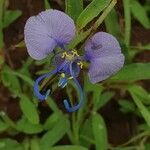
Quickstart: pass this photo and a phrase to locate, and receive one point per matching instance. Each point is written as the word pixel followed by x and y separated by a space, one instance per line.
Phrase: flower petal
pixel 102 68
pixel 46 30
pixel 101 44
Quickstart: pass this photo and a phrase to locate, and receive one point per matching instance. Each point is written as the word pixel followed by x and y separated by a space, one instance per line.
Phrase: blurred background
pixel 116 112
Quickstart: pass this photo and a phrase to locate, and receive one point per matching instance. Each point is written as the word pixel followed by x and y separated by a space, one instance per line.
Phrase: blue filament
pixel 39 79
pixel 36 84
pixel 79 89
pixel 62 82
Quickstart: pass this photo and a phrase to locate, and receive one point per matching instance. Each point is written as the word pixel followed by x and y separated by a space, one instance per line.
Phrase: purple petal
pixel 101 44
pixel 104 67
pixel 104 53
pixel 46 30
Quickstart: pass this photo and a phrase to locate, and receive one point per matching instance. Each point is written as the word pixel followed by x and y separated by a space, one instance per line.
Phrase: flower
pixel 52 28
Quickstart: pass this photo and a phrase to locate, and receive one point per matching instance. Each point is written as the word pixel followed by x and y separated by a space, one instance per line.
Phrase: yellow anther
pixel 62 75
pixel 64 54
pixel 74 53
pixel 80 64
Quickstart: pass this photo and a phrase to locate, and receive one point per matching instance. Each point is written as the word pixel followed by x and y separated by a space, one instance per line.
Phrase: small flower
pixel 53 28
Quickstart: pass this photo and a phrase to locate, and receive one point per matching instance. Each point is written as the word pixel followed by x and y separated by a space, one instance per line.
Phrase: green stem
pixel 1 23
pixel 127 16
pixel 34 144
pixel 137 137
pixel 75 130
pixel 104 14
pixel 7 119
pixel 26 144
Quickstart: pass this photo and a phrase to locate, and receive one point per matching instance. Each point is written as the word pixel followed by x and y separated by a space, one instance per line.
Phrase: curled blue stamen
pixel 39 79
pixel 36 84
pixel 79 89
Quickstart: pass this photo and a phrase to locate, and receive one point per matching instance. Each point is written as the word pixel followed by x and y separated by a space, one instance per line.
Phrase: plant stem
pixel 127 16
pixel 7 119
pixel 104 14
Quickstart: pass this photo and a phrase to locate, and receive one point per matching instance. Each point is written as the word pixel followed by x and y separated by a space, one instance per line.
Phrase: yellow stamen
pixel 80 64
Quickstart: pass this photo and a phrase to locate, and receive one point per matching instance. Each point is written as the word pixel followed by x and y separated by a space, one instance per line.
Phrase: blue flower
pixel 53 28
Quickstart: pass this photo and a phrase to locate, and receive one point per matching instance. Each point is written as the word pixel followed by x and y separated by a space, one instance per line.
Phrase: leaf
pixel 90 12
pixel 111 23
pixel 79 37
pixel 68 147
pixel 52 136
pixel 104 98
pixel 126 106
pixel 133 72
pixel 11 82
pixel 23 125
pixel 3 126
pixel 74 8
pixel 9 144
pixel 29 109
pixel 99 132
pixel 51 121
pixel 145 113
pixel 140 14
pixel 10 16
pixel 142 94
pixel 86 133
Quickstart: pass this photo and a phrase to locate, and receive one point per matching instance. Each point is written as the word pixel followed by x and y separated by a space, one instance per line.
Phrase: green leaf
pixel 90 12
pixel 86 133
pixel 99 132
pixel 126 106
pixel 111 23
pixel 52 136
pixel 51 121
pixel 140 14
pixel 3 126
pixel 142 94
pixel 23 125
pixel 29 109
pixel 104 98
pixel 11 73
pixel 68 147
pixel 11 82
pixel 10 16
pixel 133 72
pixel 145 113
pixel 74 8
pixel 79 37
pixel 9 144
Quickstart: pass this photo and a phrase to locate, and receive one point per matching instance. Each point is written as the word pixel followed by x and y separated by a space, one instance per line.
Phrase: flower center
pixel 72 55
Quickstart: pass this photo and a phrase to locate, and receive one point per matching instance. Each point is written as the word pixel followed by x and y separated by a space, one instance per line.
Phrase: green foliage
pixel 6 18
pixel 74 8
pixel 7 144
pixel 99 132
pixel 90 12
pixel 85 128
pixel 140 13
pixel 10 16
pixel 26 104
pixel 132 72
